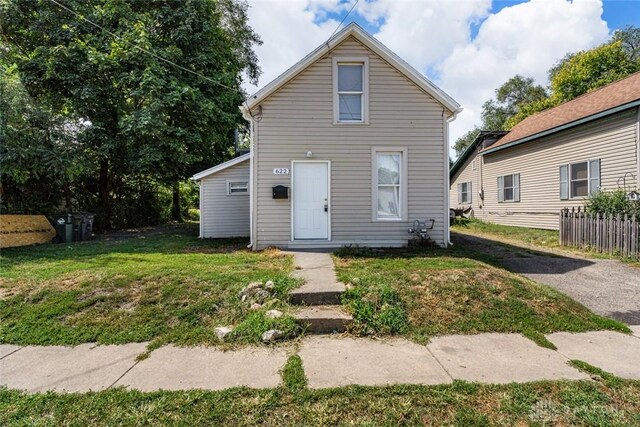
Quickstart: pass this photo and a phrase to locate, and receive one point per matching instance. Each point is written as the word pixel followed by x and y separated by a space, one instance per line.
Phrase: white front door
pixel 310 200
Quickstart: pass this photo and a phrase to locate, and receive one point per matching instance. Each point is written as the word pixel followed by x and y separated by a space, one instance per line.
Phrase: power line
pixel 343 19
pixel 141 48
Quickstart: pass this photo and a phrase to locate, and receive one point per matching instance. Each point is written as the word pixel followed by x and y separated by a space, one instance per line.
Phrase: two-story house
pixel 348 147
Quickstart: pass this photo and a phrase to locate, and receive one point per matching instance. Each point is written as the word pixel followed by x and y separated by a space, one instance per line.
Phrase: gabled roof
pixel 369 41
pixel 468 152
pixel 221 166
pixel 609 99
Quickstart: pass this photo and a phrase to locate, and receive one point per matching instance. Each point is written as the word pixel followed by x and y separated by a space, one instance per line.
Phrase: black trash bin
pixel 82 226
pixel 63 223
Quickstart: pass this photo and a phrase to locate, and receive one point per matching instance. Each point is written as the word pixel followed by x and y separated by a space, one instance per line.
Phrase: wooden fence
pixel 612 234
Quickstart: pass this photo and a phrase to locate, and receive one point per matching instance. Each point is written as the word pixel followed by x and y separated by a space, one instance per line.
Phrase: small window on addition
pixel 234 188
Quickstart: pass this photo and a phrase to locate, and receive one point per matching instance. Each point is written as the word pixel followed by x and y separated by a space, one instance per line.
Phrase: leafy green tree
pixel 39 155
pixel 497 113
pixel 514 93
pixel 158 83
pixel 465 141
pixel 585 71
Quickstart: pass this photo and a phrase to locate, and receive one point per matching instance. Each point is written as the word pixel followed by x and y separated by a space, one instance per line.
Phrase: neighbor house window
pixel 579 179
pixel 389 179
pixel 464 193
pixel 509 188
pixel 350 87
pixel 237 187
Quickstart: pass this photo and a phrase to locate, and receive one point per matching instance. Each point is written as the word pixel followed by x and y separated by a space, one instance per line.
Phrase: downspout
pixel 447 232
pixel 200 185
pixel 638 149
pixel 252 185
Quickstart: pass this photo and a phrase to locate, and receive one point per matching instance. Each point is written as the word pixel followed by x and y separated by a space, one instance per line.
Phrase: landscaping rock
pixel 274 314
pixel 272 335
pixel 269 285
pixel 222 332
pixel 261 295
pixel 255 306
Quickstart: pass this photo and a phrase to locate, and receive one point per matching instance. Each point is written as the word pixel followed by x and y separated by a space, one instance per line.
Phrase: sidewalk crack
pixel 9 354
pixel 123 374
pixel 439 363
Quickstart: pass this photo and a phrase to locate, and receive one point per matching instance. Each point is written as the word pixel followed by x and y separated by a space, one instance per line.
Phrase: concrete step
pixel 323 319
pixel 309 296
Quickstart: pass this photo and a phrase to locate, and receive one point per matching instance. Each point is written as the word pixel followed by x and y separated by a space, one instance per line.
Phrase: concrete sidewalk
pixel 329 361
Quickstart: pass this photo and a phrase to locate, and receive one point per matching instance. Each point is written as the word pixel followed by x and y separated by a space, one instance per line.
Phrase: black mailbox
pixel 280 192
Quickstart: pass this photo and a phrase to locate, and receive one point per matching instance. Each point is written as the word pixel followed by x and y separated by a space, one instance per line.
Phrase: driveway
pixel 607 287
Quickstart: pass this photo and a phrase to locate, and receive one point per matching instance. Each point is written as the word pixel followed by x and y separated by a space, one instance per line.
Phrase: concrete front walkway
pixel 329 361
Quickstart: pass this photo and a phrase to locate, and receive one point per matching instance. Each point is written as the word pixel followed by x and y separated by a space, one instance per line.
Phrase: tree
pixel 497 113
pixel 585 71
pixel 147 118
pixel 465 141
pixel 630 39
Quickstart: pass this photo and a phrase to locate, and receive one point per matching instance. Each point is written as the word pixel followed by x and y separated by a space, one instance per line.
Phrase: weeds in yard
pixel 161 288
pixel 293 377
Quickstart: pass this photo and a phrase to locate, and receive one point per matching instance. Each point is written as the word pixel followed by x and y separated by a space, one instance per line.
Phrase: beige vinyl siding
pixel 611 139
pixel 299 118
pixel 466 173
pixel 222 214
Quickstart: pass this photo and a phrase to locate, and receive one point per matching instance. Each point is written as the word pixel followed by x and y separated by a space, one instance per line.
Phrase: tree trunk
pixel 103 194
pixel 176 209
pixel 67 196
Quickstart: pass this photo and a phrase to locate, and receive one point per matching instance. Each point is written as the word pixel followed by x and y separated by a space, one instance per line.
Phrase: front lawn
pixel 426 292
pixel 585 403
pixel 161 287
pixel 549 239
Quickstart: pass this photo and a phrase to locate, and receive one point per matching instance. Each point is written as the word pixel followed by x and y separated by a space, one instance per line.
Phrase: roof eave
pixel 355 30
pixel 569 125
pixel 222 166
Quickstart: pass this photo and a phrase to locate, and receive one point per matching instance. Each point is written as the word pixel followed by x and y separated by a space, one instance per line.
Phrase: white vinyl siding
pixel 509 188
pixel 299 118
pixel 223 214
pixel 464 193
pixel 612 140
pixel 467 173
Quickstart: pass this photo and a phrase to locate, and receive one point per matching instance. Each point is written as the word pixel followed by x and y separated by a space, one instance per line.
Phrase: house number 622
pixel 281 171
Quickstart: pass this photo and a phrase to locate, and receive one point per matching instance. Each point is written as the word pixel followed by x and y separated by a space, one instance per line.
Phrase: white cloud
pixel 289 31
pixel 526 39
pixel 424 32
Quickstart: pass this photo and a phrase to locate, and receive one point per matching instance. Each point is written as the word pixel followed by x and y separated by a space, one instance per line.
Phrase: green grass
pixel 584 403
pixel 530 237
pixel 161 287
pixel 293 376
pixel 427 292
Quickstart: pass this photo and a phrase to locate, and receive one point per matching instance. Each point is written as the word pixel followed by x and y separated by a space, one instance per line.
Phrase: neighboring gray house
pixel 349 146
pixel 553 160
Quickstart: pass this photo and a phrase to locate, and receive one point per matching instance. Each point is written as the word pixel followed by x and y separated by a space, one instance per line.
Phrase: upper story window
pixel 579 179
pixel 350 82
pixel 509 188
pixel 464 193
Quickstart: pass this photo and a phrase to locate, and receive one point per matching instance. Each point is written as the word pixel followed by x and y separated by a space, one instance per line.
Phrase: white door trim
pixel 328 162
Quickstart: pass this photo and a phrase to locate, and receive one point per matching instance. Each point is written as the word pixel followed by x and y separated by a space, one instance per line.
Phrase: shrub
pixel 613 202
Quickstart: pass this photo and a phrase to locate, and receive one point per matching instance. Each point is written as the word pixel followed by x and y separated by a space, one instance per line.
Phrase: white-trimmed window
pixel 464 193
pixel 237 188
pixel 474 164
pixel 580 179
pixel 350 86
pixel 389 184
pixel 509 188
